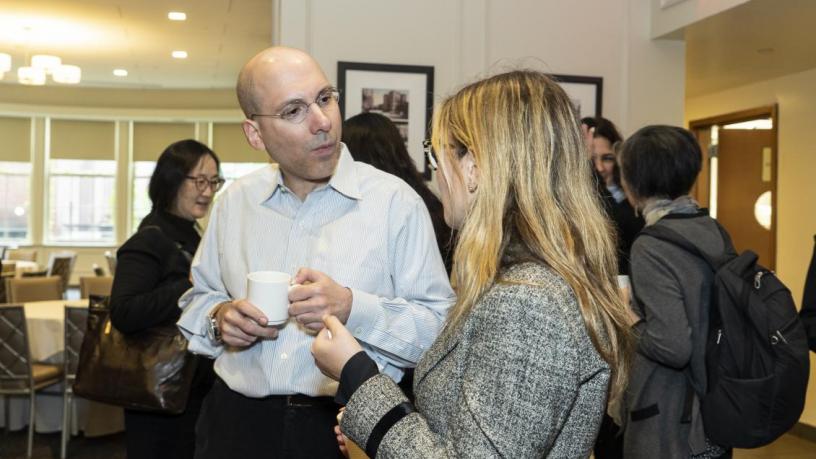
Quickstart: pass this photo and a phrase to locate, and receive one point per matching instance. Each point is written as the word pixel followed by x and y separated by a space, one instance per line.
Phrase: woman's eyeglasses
pixel 427 148
pixel 202 182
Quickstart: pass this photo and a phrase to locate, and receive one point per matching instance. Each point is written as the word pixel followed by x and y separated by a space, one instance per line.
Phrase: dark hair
pixel 589 121
pixel 374 139
pixel 661 161
pixel 175 162
pixel 606 129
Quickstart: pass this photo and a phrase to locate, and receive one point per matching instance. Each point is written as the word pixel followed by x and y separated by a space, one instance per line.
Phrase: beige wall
pixel 796 186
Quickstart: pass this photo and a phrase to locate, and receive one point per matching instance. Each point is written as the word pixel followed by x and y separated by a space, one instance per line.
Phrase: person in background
pixel 153 271
pixel 672 287
pixel 374 139
pixel 808 311
pixel 358 242
pixel 538 338
pixel 628 223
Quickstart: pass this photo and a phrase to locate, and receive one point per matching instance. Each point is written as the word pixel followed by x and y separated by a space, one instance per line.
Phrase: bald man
pixel 358 242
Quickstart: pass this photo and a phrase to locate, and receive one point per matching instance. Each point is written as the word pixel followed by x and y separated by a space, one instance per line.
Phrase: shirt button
pixel 358 330
pixel 284 356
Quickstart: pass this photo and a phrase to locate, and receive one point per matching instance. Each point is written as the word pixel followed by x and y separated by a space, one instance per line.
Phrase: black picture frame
pixel 400 87
pixel 585 91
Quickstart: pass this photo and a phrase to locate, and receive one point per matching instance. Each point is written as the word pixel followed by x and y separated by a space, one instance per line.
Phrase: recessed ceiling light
pixel 179 54
pixel 120 72
pixel 177 16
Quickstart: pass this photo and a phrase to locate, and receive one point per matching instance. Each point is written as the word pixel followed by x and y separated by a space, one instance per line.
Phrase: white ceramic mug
pixel 269 292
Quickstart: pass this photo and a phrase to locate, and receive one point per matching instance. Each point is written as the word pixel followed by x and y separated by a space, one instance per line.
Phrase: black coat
pixel 808 311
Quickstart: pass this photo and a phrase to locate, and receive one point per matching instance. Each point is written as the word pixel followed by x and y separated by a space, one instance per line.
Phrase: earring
pixel 471 187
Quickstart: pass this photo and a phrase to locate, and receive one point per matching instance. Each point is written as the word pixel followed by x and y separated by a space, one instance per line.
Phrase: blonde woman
pixel 537 340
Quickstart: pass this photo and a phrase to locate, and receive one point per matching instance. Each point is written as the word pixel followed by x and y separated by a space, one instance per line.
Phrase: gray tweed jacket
pixel 519 378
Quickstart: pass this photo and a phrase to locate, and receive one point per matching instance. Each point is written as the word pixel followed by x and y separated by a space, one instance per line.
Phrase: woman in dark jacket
pixel 153 271
pixel 374 139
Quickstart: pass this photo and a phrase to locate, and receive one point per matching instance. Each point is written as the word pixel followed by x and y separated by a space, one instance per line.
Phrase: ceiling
pixel 102 35
pixel 758 40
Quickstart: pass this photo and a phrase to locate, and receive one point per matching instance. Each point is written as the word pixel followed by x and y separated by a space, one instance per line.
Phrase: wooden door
pixel 746 163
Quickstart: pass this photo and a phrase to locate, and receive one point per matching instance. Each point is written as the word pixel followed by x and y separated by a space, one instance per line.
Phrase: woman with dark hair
pixel 659 165
pixel 605 137
pixel 152 272
pixel 374 139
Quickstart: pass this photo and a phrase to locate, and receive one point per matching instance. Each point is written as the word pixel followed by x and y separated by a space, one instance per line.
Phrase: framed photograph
pixel 586 93
pixel 403 93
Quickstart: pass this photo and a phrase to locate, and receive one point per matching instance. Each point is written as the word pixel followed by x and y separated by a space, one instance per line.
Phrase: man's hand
pixel 333 347
pixel 241 324
pixel 316 296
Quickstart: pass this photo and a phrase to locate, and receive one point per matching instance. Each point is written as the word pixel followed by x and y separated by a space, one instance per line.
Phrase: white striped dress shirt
pixel 365 229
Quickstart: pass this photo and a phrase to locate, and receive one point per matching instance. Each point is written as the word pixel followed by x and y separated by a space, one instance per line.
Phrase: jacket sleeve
pixel 664 333
pixel 808 311
pixel 520 382
pixel 139 298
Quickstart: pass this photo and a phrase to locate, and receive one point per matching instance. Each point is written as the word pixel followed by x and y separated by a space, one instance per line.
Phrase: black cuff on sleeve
pixel 356 371
pixel 385 424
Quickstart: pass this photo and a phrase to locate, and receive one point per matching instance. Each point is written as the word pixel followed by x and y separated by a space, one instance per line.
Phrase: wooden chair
pixel 28 289
pixel 95 286
pixel 76 320
pixel 62 264
pixel 21 254
pixel 8 267
pixel 3 277
pixel 18 374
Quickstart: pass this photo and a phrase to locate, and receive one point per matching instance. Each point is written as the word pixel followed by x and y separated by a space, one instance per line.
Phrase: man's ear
pixel 253 135
pixel 470 171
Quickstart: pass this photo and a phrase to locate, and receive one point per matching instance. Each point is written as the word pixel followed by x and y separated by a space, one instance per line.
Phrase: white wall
pixel 466 39
pixel 796 220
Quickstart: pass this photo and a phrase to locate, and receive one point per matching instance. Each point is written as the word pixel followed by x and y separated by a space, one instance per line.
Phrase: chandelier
pixel 40 67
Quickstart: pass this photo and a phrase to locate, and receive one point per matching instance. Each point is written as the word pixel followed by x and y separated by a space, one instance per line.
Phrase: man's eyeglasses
pixel 201 183
pixel 427 148
pixel 296 111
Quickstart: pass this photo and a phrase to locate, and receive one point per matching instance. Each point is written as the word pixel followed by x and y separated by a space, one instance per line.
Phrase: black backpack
pixel 757 361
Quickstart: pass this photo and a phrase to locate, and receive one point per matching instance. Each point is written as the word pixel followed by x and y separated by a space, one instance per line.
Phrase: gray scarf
pixel 656 208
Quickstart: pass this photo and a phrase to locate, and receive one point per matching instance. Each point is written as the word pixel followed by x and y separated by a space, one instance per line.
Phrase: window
pixel 142 170
pixel 233 171
pixel 14 201
pixel 81 201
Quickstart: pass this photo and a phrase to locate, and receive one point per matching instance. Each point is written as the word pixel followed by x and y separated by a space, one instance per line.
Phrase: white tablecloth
pixel 22 266
pixel 45 322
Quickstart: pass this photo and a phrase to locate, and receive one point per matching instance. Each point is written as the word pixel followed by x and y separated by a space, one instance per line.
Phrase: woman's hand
pixel 333 347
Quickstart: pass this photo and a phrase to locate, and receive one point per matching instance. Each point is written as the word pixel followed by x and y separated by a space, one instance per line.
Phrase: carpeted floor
pixel 47 446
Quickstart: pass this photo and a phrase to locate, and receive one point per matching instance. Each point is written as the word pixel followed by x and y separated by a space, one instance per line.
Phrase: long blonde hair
pixel 535 186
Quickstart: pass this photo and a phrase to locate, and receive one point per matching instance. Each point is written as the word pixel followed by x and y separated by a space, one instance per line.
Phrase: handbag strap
pixel 187 255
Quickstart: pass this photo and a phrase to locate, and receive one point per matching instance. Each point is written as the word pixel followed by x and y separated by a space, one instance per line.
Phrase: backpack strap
pixel 671 236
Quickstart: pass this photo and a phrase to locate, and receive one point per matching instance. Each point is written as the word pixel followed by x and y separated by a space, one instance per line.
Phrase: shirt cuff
pixel 356 371
pixel 365 311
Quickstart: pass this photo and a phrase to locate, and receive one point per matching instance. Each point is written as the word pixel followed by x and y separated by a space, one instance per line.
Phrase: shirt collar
pixel 344 180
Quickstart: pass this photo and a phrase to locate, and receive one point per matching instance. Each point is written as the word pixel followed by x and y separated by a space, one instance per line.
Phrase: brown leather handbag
pixel 148 371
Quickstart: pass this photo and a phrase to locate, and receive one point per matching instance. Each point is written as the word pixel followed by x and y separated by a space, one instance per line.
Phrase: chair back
pixel 28 289
pixel 76 320
pixel 8 267
pixel 62 264
pixel 95 286
pixel 3 249
pixel 111 257
pixel 3 277
pixel 21 254
pixel 15 360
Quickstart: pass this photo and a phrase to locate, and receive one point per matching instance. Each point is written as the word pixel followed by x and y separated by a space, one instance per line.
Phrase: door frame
pixel 703 126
